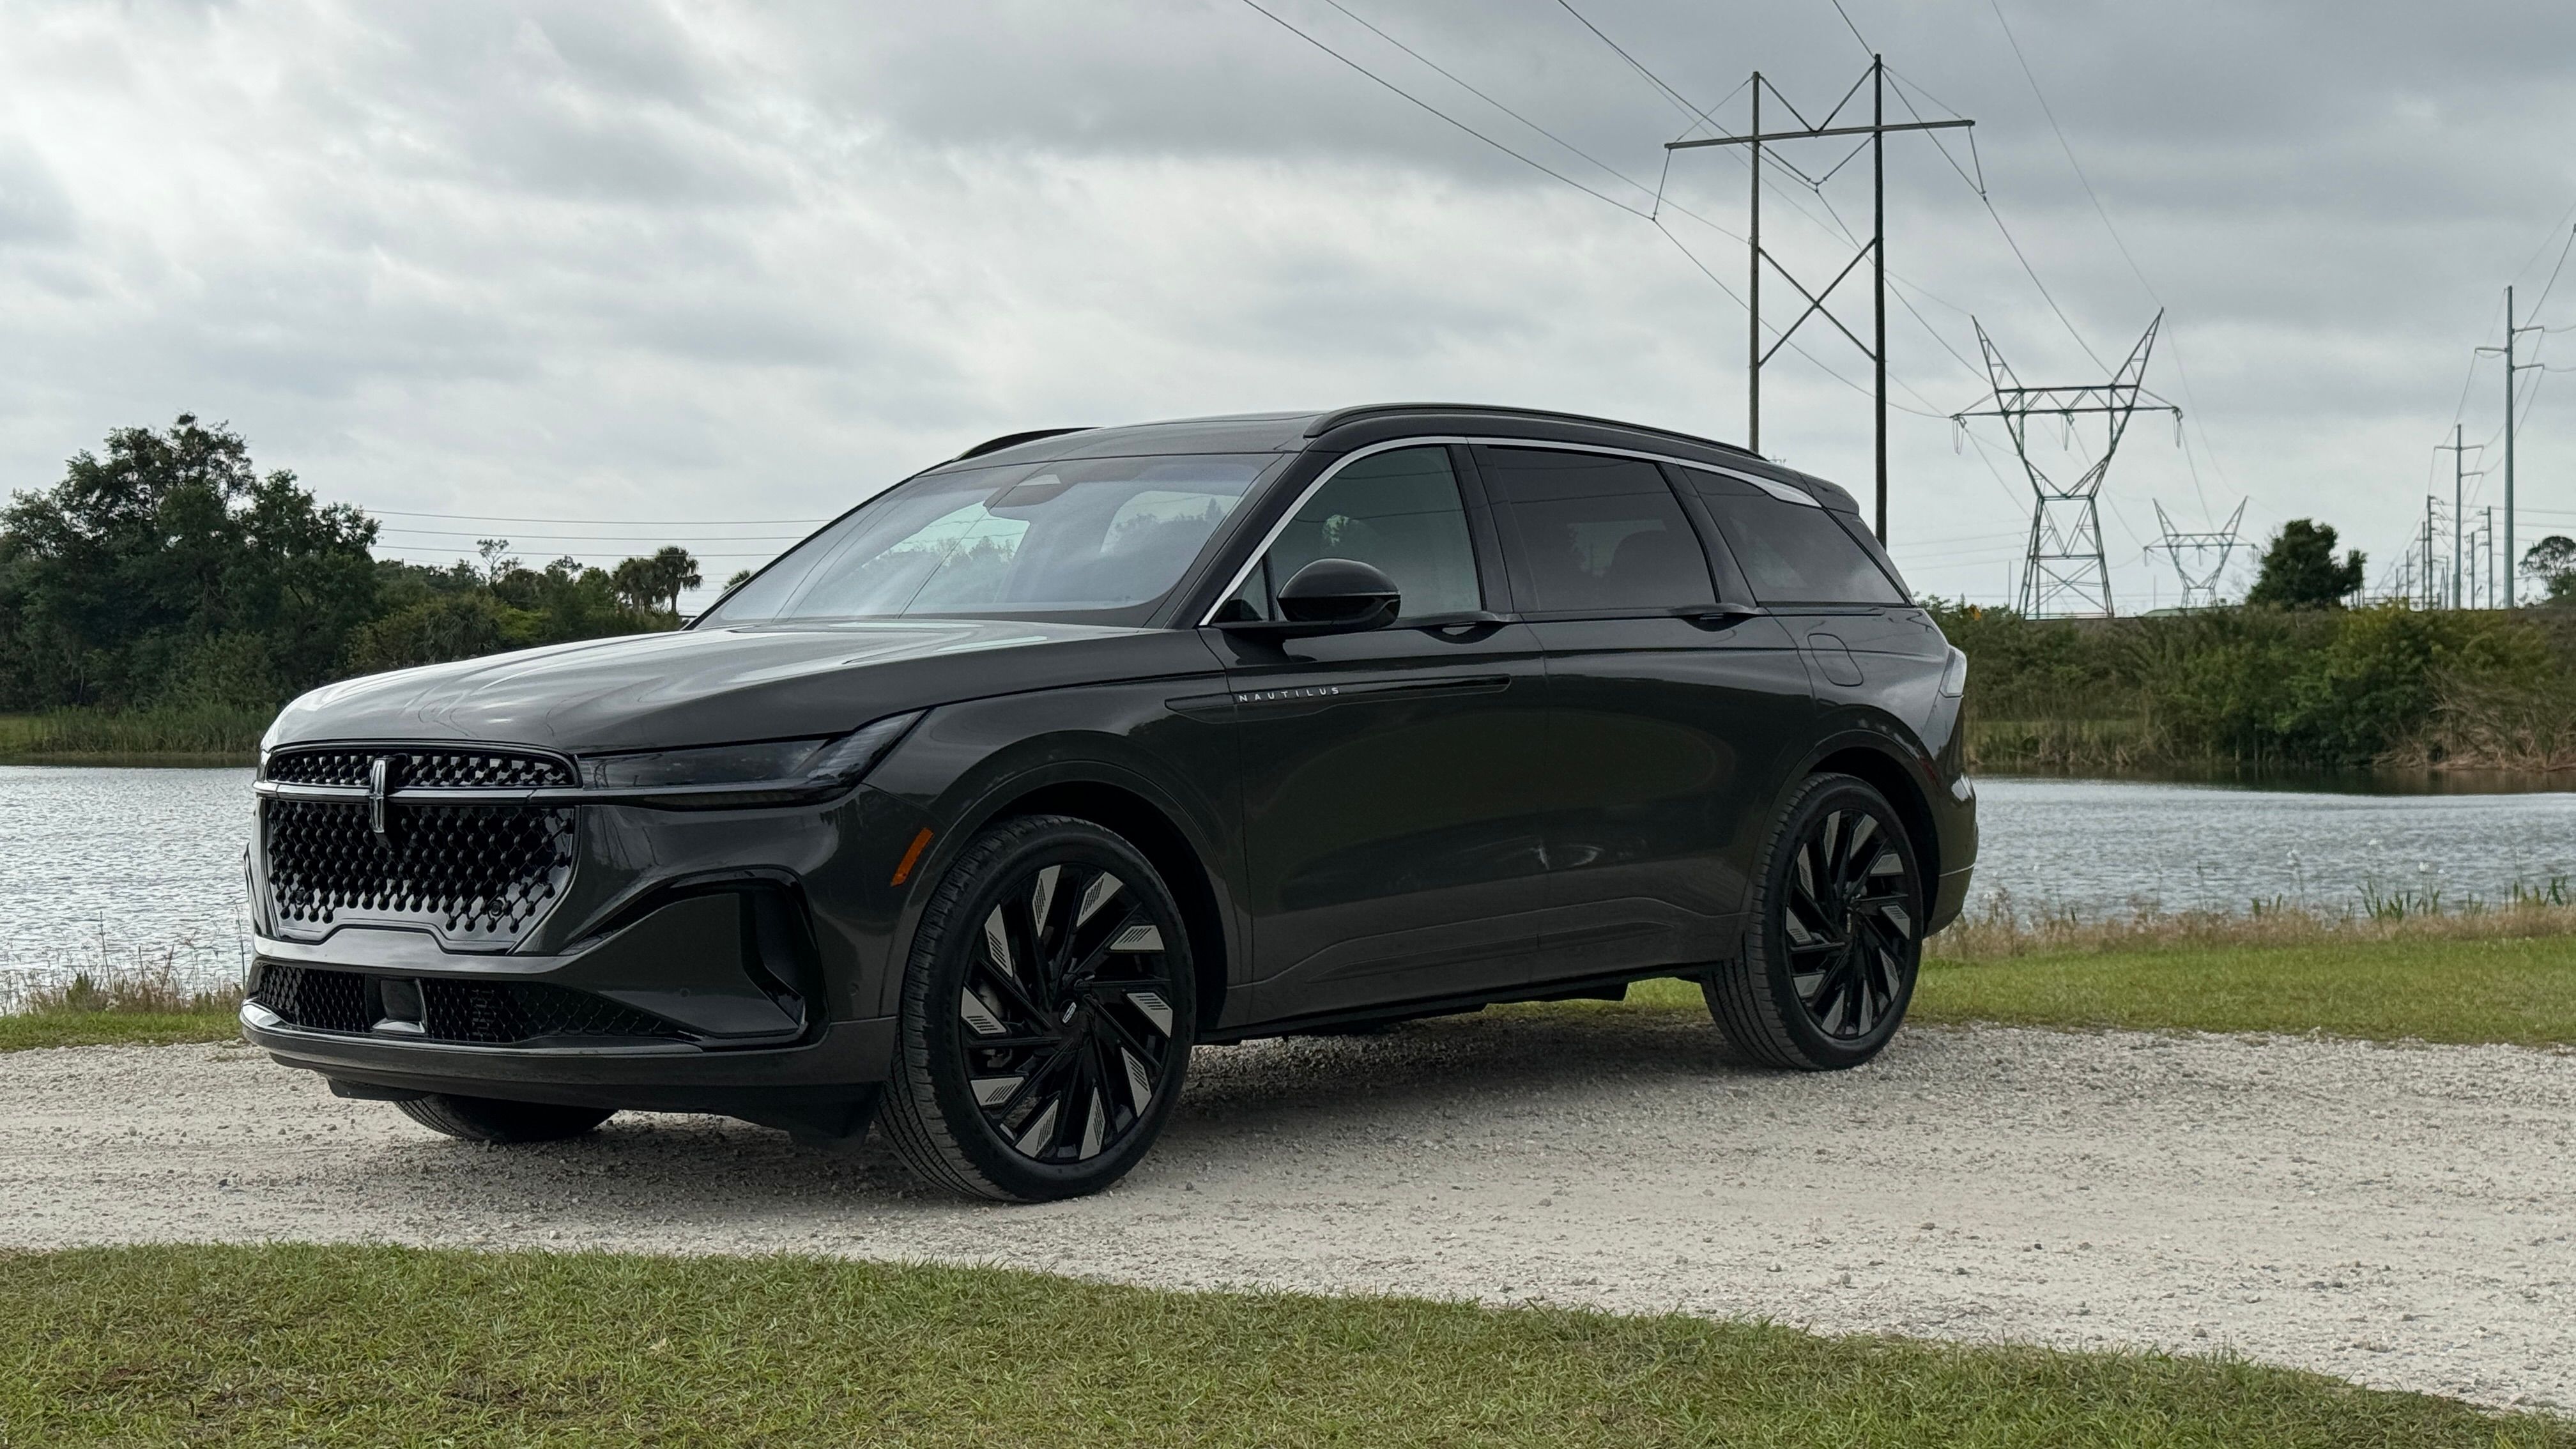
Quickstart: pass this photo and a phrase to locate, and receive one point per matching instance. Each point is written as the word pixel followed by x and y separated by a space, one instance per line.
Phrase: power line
pixel 1454 79
pixel 608 522
pixel 1678 99
pixel 2182 371
pixel 596 537
pixel 1426 106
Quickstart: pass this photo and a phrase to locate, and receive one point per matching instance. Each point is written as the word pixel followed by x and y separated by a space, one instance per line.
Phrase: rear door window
pixel 1793 552
pixel 1588 533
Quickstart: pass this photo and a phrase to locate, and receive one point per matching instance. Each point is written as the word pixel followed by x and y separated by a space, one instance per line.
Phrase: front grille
pixel 422 769
pixel 479 1013
pixel 476 874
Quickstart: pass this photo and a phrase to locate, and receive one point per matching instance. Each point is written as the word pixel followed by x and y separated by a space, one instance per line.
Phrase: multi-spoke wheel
pixel 1831 950
pixel 1047 1015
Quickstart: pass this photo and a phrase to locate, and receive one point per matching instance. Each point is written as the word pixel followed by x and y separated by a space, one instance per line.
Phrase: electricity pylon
pixel 2199 558
pixel 2065 574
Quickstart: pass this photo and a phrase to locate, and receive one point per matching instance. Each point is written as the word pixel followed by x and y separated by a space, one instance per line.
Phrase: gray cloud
pixel 731 261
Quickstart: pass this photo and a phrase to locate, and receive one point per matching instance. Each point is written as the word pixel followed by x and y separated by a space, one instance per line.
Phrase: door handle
pixel 1723 616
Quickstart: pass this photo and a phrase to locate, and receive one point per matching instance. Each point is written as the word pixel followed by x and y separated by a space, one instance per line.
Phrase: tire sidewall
pixel 942 955
pixel 1769 937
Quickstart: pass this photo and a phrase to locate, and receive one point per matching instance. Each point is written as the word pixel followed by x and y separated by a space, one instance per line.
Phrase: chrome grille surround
pixel 468 849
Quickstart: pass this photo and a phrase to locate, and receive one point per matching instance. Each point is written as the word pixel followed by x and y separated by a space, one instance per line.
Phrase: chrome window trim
pixel 1778 490
pixel 1772 486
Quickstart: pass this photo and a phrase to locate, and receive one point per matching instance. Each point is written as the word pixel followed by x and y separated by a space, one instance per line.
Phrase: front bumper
pixel 844 1061
pixel 724 961
pixel 694 1005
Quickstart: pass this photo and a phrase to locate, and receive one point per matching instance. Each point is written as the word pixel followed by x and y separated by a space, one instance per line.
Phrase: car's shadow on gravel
pixel 1240 1101
pixel 1445 1061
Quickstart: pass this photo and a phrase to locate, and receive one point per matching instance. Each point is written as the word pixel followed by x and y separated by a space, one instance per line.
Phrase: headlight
pixel 767 770
pixel 1954 675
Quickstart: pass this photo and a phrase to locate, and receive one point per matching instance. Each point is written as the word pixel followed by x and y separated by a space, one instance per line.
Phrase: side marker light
pixel 911 857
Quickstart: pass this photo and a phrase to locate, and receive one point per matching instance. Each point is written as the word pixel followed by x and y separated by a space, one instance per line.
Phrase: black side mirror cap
pixel 1328 596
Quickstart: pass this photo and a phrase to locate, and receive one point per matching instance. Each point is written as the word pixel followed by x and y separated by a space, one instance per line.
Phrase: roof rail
pixel 1013 440
pixel 1326 422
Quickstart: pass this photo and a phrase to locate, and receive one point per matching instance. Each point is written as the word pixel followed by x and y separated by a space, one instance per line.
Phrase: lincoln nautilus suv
pixel 977 812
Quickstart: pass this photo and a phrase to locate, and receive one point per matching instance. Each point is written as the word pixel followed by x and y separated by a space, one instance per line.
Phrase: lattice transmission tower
pixel 2200 559
pixel 2065 573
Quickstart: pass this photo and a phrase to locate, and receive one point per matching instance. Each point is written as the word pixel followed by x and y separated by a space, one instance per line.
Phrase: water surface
pixel 129 864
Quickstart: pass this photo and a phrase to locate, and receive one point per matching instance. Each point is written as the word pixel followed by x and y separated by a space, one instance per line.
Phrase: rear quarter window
pixel 1795 553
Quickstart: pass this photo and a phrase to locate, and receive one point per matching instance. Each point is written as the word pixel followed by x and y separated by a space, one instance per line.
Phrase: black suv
pixel 976 811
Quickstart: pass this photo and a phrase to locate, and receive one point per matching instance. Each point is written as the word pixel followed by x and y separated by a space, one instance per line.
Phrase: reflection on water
pixel 130 863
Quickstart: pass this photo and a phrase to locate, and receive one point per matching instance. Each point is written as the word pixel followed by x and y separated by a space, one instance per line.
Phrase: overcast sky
pixel 470 263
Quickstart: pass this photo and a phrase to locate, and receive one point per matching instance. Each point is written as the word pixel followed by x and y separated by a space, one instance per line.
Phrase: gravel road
pixel 2404 1217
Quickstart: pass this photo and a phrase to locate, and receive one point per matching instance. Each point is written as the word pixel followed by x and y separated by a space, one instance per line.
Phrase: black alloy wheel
pixel 1835 942
pixel 1047 1015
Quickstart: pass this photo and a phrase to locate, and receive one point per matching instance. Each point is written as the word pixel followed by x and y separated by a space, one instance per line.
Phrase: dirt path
pixel 2402 1217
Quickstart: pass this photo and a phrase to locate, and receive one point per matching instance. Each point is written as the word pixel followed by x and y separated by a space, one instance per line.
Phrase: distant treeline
pixel 2259 687
pixel 171 585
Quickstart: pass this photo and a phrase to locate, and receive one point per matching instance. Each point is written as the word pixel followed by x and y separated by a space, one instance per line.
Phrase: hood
pixel 718 686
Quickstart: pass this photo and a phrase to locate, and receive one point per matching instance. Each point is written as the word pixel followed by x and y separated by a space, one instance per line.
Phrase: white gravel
pixel 2404 1217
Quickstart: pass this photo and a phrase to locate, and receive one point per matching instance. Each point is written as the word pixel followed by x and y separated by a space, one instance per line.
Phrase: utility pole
pixel 2428 551
pixel 1874 250
pixel 2485 551
pixel 2512 332
pixel 2459 452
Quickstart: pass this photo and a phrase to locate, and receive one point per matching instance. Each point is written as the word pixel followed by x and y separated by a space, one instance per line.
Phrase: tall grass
pixel 206 733
pixel 2481 725
pixel 2004 928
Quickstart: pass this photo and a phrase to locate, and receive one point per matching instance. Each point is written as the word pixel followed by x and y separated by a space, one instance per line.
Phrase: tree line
pixel 170 572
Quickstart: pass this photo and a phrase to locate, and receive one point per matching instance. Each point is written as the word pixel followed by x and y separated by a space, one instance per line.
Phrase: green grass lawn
pixel 103 1028
pixel 2514 990
pixel 2521 991
pixel 324 1345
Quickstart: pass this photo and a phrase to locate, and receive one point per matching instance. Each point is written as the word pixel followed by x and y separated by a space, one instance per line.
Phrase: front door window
pixel 1399 511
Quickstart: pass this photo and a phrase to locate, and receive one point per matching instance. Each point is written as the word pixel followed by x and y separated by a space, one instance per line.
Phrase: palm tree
pixel 675 573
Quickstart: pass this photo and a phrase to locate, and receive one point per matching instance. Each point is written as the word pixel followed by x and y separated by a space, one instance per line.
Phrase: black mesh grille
pixel 421 769
pixel 319 1000
pixel 473 872
pixel 483 1013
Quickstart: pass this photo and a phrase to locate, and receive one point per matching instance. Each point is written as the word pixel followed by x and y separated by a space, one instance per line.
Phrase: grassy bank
pixel 2513 991
pixel 2260 689
pixel 315 1345
pixel 139 1008
pixel 2505 976
pixel 197 735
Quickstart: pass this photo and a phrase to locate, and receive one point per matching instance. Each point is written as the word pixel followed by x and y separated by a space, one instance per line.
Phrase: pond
pixel 144 866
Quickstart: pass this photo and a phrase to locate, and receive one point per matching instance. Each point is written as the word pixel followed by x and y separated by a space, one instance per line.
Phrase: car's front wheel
pixel 1047 1015
pixel 1835 938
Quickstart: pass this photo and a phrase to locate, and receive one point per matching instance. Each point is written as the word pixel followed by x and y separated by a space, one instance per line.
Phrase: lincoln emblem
pixel 376 775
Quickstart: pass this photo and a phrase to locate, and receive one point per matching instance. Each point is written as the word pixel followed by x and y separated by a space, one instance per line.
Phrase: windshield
pixel 1103 539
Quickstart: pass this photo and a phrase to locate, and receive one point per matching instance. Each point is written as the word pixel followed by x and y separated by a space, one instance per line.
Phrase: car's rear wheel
pixel 1835 940
pixel 1047 1015
pixel 489 1119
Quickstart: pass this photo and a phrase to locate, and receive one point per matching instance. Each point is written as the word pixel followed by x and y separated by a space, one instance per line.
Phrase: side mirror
pixel 1328 596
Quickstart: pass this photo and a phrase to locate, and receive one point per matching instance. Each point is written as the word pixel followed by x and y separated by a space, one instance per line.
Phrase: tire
pixel 489 1119
pixel 1835 938
pixel 1046 1019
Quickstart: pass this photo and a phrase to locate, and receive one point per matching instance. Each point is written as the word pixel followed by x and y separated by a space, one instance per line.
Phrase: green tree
pixel 2551 563
pixel 172 570
pixel 2300 572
